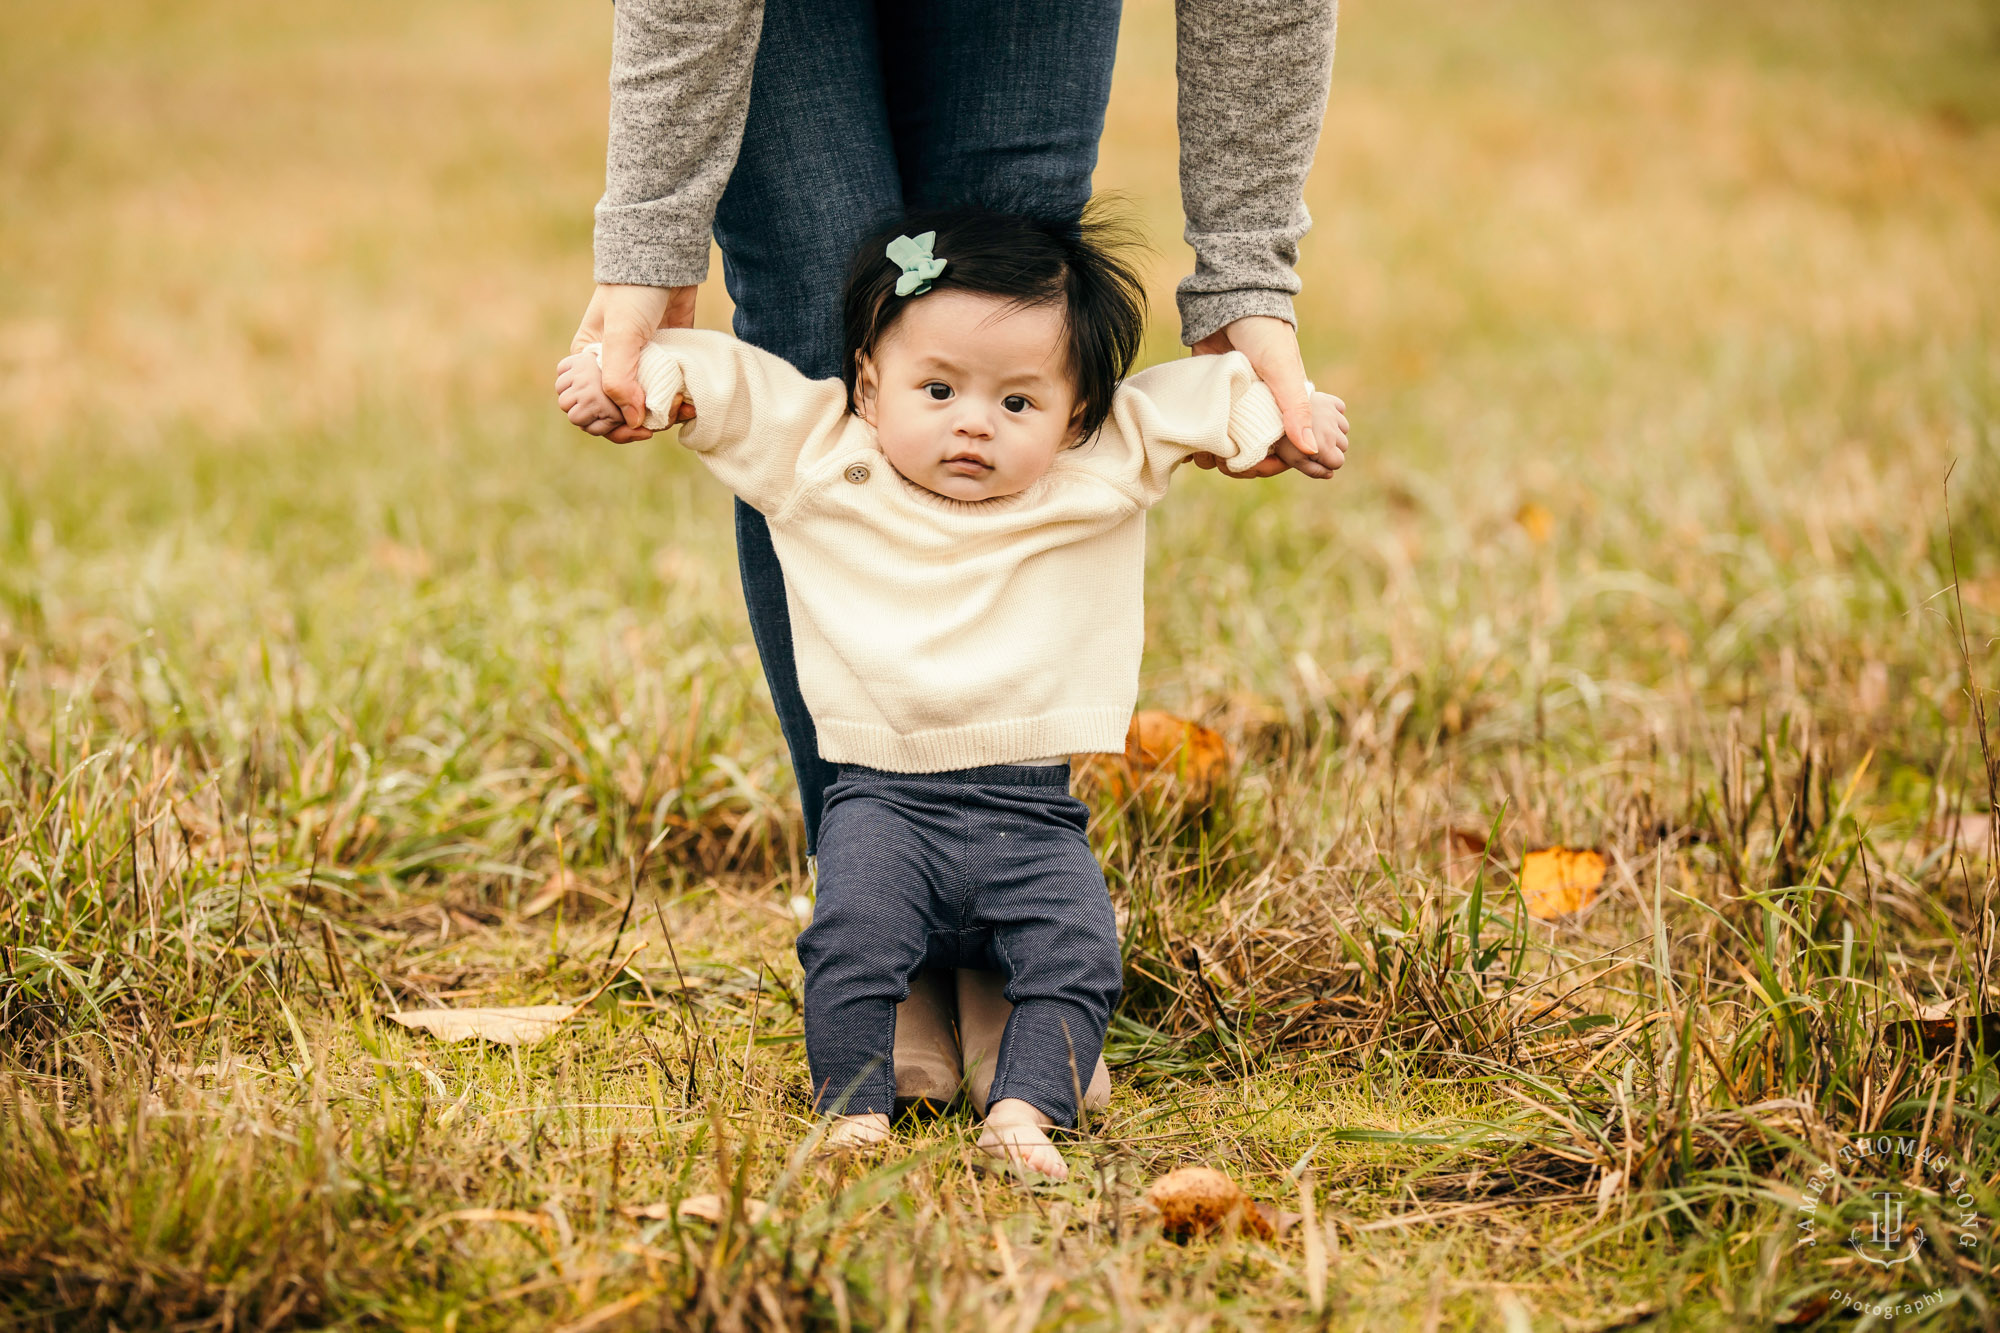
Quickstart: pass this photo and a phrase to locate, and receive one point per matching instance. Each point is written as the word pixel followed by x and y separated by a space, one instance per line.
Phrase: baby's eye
pixel 938 390
pixel 1014 402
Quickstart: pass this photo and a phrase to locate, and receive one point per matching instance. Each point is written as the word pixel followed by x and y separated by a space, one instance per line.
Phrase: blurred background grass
pixel 1704 293
pixel 1661 327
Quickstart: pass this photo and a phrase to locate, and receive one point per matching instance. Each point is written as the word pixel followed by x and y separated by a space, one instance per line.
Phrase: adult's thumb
pixel 1273 348
pixel 1288 385
pixel 620 358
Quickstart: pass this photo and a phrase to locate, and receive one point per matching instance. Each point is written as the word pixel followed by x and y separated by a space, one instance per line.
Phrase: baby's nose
pixel 974 420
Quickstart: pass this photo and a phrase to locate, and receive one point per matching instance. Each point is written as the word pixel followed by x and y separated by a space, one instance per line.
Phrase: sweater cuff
pixel 642 247
pixel 660 378
pixel 1255 427
pixel 1202 313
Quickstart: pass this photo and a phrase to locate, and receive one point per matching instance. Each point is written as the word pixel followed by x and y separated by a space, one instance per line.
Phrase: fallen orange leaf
pixel 1936 1029
pixel 1536 521
pixel 1557 881
pixel 1192 757
pixel 1197 1200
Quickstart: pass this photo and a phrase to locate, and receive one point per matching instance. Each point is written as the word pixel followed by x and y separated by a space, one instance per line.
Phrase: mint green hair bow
pixel 919 265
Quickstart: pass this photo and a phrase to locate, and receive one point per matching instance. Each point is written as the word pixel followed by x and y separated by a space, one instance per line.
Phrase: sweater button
pixel 857 473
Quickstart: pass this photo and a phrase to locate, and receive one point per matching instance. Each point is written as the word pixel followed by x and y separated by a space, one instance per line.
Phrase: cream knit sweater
pixel 934 634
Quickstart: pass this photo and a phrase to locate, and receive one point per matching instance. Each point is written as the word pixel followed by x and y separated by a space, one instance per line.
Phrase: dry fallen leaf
pixel 1607 1190
pixel 1972 834
pixel 1871 691
pixel 1536 521
pixel 1467 841
pixel 1981 593
pixel 709 1208
pixel 1280 1220
pixel 561 883
pixel 549 894
pixel 1557 881
pixel 1315 1243
pixel 1198 1200
pixel 405 562
pixel 1964 835
pixel 1805 1312
pixel 523 1025
pixel 1194 758
pixel 513 1216
pixel 1935 1030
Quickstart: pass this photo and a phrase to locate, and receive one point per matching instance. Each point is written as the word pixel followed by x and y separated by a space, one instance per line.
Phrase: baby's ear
pixel 1076 435
pixel 867 388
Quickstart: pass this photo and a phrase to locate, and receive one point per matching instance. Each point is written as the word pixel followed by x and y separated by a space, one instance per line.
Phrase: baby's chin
pixel 970 490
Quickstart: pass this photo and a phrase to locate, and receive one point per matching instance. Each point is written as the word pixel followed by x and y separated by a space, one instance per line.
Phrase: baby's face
pixel 971 399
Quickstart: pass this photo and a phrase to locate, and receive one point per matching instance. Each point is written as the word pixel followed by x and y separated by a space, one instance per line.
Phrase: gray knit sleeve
pixel 1253 85
pixel 680 88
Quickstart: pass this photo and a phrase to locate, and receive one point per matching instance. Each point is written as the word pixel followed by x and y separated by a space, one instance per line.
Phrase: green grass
pixel 326 645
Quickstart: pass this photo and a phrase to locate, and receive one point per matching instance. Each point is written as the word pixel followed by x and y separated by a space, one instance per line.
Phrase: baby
pixel 961 523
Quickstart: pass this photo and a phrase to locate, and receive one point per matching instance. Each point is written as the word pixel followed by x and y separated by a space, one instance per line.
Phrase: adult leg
pixel 983 1011
pixel 998 104
pixel 927 1055
pixel 816 170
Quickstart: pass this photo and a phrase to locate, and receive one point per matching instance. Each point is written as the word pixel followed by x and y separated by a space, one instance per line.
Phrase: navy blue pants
pixel 861 110
pixel 984 868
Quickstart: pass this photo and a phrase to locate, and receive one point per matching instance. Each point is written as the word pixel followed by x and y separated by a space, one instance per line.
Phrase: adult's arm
pixel 680 89
pixel 1253 84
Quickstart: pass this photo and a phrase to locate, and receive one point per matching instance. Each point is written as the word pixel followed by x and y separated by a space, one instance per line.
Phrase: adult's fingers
pixel 625 335
pixel 1269 467
pixel 680 413
pixel 1272 346
pixel 622 317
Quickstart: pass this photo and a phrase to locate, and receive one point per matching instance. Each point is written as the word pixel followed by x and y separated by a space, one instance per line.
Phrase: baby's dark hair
pixel 1080 266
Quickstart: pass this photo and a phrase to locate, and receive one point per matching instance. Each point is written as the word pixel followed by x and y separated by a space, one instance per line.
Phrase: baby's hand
pixel 580 394
pixel 1329 421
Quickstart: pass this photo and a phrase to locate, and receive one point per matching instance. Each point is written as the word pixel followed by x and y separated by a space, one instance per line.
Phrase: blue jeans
pixel 984 868
pixel 861 110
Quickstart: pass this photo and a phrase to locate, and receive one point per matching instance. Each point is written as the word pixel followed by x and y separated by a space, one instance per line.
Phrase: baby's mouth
pixel 967 465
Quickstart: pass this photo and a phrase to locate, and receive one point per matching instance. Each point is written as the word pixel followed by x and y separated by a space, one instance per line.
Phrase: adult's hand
pixel 1273 348
pixel 623 317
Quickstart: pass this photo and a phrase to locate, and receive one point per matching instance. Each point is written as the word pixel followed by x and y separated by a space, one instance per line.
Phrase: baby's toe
pixel 1047 1161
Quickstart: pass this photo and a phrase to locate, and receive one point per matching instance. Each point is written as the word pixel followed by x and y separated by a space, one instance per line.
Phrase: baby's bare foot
pixel 857 1131
pixel 1017 1134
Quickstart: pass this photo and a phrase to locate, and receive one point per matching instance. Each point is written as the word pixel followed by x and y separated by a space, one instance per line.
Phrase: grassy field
pixel 1672 530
